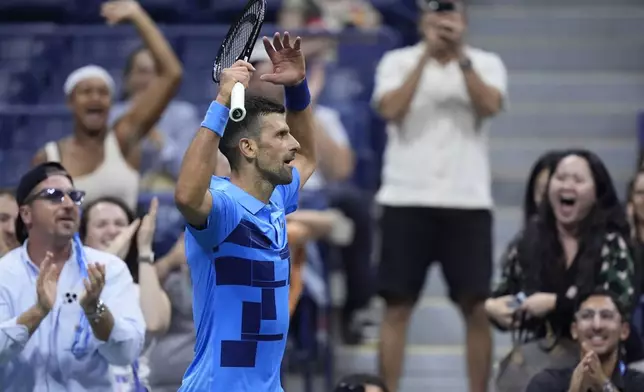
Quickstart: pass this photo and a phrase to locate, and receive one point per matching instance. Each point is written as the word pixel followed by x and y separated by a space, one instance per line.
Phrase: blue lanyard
pixel 81 344
pixel 138 387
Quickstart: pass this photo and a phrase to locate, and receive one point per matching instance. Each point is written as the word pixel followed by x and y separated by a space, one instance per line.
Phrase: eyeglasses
pixel 57 196
pixel 604 314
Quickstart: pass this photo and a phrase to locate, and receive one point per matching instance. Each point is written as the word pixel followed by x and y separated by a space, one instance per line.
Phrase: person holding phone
pixel 437 97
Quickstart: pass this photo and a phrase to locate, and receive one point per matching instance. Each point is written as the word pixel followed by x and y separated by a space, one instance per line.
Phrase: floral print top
pixel 616 272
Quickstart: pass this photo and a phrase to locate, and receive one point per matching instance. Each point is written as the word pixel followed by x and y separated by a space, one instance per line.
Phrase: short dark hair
pixel 601 292
pixel 256 107
pixel 129 64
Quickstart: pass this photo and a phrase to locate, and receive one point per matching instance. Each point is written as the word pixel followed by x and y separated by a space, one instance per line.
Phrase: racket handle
pixel 237 97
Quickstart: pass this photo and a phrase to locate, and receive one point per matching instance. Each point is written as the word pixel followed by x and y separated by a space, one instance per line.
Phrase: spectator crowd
pixel 95 288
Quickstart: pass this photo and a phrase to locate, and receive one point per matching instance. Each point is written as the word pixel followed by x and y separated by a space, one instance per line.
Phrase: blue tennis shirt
pixel 240 269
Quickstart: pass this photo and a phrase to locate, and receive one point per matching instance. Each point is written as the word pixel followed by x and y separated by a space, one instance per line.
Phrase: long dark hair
pixel 129 64
pixel 132 257
pixel 638 247
pixel 541 251
pixel 545 161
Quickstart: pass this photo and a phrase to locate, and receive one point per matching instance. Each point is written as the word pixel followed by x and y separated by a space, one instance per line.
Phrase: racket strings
pixel 240 38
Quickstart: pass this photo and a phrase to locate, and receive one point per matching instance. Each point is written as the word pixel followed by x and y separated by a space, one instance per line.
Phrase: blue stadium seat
pixel 27 41
pixel 108 47
pixel 357 120
pixel 18 84
pixel 226 11
pixel 18 161
pixel 358 57
pixel 31 127
pixel 35 10
pixel 198 86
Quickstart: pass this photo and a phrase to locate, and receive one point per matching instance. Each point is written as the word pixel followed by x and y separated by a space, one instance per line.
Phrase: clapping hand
pixel 451 31
pixel 148 226
pixel 47 284
pixel 593 374
pixel 120 245
pixel 94 284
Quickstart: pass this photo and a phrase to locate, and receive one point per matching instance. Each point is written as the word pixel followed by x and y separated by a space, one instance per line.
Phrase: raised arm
pixel 394 91
pixel 150 104
pixel 192 194
pixel 289 70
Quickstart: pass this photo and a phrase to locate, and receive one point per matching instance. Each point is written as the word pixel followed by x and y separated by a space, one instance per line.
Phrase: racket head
pixel 241 37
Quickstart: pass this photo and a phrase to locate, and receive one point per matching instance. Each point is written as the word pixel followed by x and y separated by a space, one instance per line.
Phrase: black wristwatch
pixel 465 63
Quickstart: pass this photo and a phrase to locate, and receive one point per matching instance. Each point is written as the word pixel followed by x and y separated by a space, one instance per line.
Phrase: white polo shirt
pixel 437 156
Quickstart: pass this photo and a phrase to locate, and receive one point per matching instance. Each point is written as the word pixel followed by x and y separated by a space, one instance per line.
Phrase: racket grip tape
pixel 216 118
pixel 237 98
pixel 298 97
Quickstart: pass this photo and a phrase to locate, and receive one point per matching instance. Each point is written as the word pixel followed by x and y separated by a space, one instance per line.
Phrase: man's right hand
pixel 46 285
pixel 240 72
pixel 577 379
pixel 500 310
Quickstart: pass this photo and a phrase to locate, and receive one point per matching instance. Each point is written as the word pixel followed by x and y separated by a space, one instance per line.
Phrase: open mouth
pixel 597 339
pixel 288 161
pixel 95 113
pixel 567 201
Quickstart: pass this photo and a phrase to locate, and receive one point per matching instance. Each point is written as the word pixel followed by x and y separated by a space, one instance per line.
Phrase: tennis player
pixel 236 241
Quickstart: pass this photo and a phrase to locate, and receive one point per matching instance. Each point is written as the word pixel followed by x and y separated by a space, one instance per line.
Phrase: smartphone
pixel 440 6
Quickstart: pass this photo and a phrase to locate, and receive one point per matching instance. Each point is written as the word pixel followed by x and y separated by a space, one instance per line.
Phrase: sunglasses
pixel 346 387
pixel 57 196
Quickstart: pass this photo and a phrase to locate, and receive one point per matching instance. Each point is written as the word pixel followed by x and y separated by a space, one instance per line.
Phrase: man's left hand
pixel 451 31
pixel 94 284
pixel 594 377
pixel 289 68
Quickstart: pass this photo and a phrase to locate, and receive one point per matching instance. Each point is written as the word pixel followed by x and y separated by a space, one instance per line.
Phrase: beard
pixel 283 175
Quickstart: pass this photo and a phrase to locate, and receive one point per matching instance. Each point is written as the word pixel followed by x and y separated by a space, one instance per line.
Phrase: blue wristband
pixel 216 118
pixel 297 98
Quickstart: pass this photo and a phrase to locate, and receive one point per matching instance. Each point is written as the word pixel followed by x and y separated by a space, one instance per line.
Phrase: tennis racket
pixel 238 45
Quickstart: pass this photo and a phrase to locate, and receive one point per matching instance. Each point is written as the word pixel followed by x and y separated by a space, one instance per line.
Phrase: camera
pixel 344 387
pixel 437 5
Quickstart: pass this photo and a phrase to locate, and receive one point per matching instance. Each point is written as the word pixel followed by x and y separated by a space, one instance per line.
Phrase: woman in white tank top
pixel 103 161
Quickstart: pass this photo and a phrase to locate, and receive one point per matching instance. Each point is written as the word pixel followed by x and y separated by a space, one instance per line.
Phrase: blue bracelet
pixel 297 98
pixel 216 118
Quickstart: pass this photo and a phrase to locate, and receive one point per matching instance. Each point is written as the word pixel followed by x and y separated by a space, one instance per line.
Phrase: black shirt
pixel 558 380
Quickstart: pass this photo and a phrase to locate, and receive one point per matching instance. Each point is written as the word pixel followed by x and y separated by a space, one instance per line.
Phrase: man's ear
pixel 248 148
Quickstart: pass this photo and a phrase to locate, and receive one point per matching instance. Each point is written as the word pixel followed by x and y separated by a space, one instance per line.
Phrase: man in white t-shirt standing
pixel 435 193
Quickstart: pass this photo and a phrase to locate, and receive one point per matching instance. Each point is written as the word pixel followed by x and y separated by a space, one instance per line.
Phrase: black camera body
pixel 350 388
pixel 437 5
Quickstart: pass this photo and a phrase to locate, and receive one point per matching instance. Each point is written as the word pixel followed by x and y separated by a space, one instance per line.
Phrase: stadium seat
pixel 18 84
pixel 18 161
pixel 32 126
pixel 227 11
pixel 35 10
